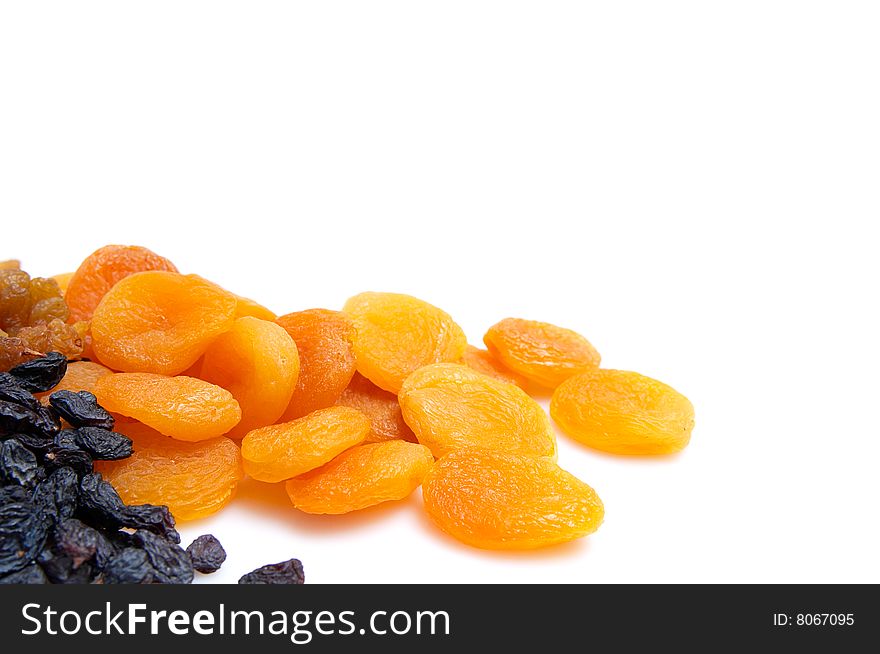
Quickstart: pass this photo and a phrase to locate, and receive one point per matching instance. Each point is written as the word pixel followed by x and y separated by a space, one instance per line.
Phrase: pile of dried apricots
pixel 350 408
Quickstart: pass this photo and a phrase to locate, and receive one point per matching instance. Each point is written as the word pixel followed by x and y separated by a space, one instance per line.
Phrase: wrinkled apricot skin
pixel 623 412
pixel 194 480
pixel 363 476
pixel 500 501
pixel 285 450
pixel 246 307
pixel 184 408
pixel 397 334
pixel 381 407
pixel 102 269
pixel 483 361
pixel 542 353
pixel 159 322
pixel 257 362
pixel 324 339
pixel 449 406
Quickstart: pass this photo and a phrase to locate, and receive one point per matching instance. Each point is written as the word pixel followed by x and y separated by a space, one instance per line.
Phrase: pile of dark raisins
pixel 60 522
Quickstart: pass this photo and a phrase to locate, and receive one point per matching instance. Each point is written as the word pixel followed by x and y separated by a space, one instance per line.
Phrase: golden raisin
pixel 184 408
pixel 257 362
pixel 483 361
pixel 497 500
pixel 363 476
pixel 450 406
pixel 194 480
pixel 623 413
pixel 381 407
pixel 102 269
pixel 541 352
pixel 397 334
pixel 324 340
pixel 10 264
pixel 159 322
pixel 285 450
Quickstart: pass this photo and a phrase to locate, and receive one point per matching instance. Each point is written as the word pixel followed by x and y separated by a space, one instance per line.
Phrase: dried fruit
pixel 247 307
pixel 10 264
pixel 623 413
pixel 63 281
pixel 24 343
pixel 102 269
pixel 381 407
pixel 80 409
pixel 256 361
pixel 41 374
pixel 18 465
pixel 32 574
pixel 360 477
pixel 483 361
pixel 449 406
pixel 496 500
pixel 80 376
pixel 159 322
pixel 101 444
pixel 286 572
pixel 193 480
pixel 185 408
pixel 22 531
pixel 541 352
pixel 170 562
pixel 397 334
pixel 130 566
pixel 324 339
pixel 206 553
pixel 288 449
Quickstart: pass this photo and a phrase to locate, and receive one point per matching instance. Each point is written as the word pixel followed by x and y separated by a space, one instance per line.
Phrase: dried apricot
pixel 324 340
pixel 623 412
pixel 247 307
pixel 397 334
pixel 360 477
pixel 80 376
pixel 288 449
pixel 192 479
pixel 381 407
pixel 159 322
pixel 257 362
pixel 63 281
pixel 102 269
pixel 449 406
pixel 541 352
pixel 497 500
pixel 483 361
pixel 184 408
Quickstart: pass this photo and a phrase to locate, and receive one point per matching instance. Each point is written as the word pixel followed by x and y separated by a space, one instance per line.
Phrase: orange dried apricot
pixel 483 361
pixel 194 480
pixel 541 352
pixel 184 408
pixel 381 407
pixel 450 406
pixel 288 449
pixel 324 340
pixel 502 501
pixel 397 334
pixel 159 322
pixel 80 376
pixel 363 476
pixel 247 307
pixel 103 268
pixel 257 362
pixel 623 413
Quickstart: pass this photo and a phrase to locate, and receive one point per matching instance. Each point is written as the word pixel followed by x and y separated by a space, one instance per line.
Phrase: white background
pixel 692 185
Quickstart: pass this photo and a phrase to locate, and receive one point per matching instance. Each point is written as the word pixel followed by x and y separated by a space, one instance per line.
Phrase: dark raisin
pixel 76 540
pixel 60 569
pixel 15 418
pixel 102 444
pixel 41 375
pixel 130 566
pixel 157 519
pixel 286 572
pixel 207 554
pixel 18 465
pixel 170 562
pixel 32 574
pixel 81 409
pixel 56 496
pixel 22 531
pixel 11 391
pixel 70 457
pixel 100 501
pixel 36 444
